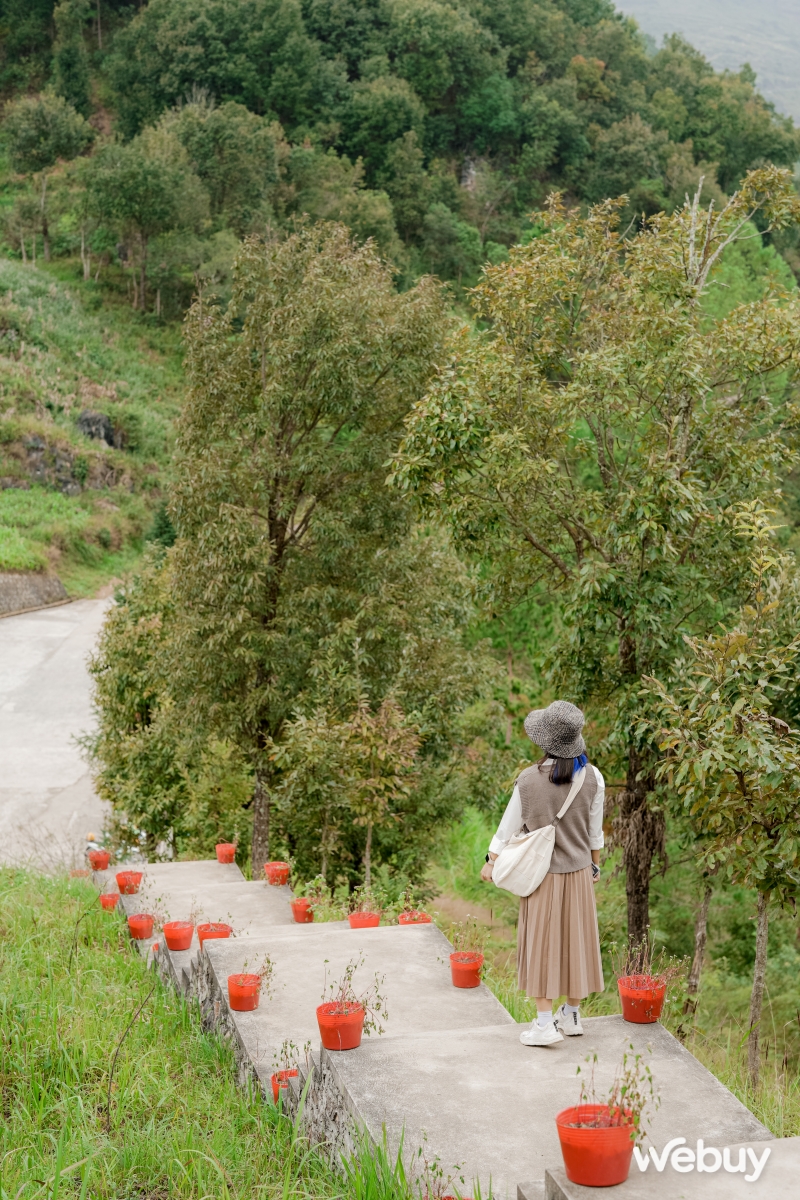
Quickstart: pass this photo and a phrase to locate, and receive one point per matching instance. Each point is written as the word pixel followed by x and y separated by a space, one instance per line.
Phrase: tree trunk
pixel 99 28
pixel 759 975
pixel 641 834
pixel 24 255
pixel 45 229
pixel 368 857
pixel 86 259
pixel 143 276
pixel 260 824
pixel 700 935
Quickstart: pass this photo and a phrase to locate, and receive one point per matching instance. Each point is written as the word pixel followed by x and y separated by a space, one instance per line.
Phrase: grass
pixel 69 502
pixel 179 1125
pixel 717 1033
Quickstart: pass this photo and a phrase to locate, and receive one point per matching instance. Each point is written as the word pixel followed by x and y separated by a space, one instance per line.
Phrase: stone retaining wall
pixel 21 590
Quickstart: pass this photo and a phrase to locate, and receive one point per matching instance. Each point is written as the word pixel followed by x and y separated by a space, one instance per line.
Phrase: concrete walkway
pixel 47 802
pixel 449 1074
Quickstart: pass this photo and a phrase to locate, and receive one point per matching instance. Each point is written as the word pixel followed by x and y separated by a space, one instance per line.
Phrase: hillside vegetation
pixel 87 401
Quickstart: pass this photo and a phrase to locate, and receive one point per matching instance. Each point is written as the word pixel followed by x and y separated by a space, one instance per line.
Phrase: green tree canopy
pixel 40 130
pixel 280 464
pixel 594 444
pixel 146 188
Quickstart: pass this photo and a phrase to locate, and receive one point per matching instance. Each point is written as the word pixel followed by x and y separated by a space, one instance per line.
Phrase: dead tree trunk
pixel 759 977
pixel 261 815
pixel 700 936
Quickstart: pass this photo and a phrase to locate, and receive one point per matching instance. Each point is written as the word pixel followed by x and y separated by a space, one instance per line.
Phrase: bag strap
pixel 577 784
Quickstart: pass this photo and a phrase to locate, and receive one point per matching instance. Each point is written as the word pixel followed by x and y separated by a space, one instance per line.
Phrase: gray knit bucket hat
pixel 557 729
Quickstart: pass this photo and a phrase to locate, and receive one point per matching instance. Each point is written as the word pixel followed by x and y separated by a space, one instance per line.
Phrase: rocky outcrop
pixel 21 590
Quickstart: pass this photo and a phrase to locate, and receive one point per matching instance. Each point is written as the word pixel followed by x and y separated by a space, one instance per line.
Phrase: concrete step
pixel 251 908
pixel 177 874
pixel 779 1178
pixel 414 960
pixel 487 1103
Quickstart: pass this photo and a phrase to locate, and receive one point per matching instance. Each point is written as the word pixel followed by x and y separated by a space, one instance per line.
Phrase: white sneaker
pixel 568 1023
pixel 536 1036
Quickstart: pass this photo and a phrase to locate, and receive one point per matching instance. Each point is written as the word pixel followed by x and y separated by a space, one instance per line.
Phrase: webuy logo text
pixel 705 1159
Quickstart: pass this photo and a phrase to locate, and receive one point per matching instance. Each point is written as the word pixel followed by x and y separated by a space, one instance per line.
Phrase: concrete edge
pixel 19 612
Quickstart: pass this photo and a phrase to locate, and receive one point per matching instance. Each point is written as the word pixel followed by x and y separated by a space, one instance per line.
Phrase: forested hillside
pixel 434 127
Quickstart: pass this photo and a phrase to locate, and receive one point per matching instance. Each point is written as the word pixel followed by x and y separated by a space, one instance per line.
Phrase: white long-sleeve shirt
pixel 511 821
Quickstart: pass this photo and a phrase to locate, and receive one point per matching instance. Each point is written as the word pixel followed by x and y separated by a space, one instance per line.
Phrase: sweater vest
pixel 541 800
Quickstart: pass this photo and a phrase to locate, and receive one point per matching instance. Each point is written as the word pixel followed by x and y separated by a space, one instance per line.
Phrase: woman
pixel 558 944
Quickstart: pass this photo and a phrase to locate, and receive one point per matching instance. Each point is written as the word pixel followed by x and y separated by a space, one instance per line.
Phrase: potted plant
pixel 344 1016
pixel 325 906
pixel 409 913
pixel 109 901
pixel 277 873
pixel 302 911
pixel 597 1136
pixel 178 934
pixel 244 988
pixel 469 939
pixel 210 930
pixel 99 859
pixel 140 926
pixel 285 1062
pixel 226 852
pixel 643 977
pixel 365 909
pixel 128 882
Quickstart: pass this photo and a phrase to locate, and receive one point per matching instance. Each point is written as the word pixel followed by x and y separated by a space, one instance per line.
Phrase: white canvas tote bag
pixel 525 860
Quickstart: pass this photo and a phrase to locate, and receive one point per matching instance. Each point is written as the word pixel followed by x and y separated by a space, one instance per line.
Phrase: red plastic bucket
pixel 340 1030
pixel 178 934
pixel 594 1157
pixel 642 998
pixel 226 852
pixel 364 920
pixel 128 882
pixel 99 860
pixel 243 992
pixel 277 873
pixel 109 901
pixel 213 929
pixel 280 1081
pixel 465 969
pixel 140 926
pixel 414 918
pixel 302 911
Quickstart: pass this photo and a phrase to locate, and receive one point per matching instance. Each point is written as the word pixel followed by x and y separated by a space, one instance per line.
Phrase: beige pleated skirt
pixel 558 943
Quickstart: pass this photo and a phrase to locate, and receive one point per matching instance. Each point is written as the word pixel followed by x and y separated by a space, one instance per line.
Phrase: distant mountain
pixel 731 32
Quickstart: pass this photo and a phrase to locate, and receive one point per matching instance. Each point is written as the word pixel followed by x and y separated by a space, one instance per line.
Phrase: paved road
pixel 47 803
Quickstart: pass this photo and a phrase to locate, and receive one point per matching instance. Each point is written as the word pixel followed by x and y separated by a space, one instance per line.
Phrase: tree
pixel 146 188
pixel 41 130
pixel 297 392
pixel 734 767
pixel 70 58
pixel 379 112
pixel 234 154
pixel 383 750
pixel 255 52
pixel 593 445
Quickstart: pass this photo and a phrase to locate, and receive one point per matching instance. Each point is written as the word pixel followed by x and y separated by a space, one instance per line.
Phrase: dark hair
pixel 563 769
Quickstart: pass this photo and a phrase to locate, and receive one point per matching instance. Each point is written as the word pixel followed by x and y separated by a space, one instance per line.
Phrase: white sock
pixel 572 1008
pixel 544 1017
